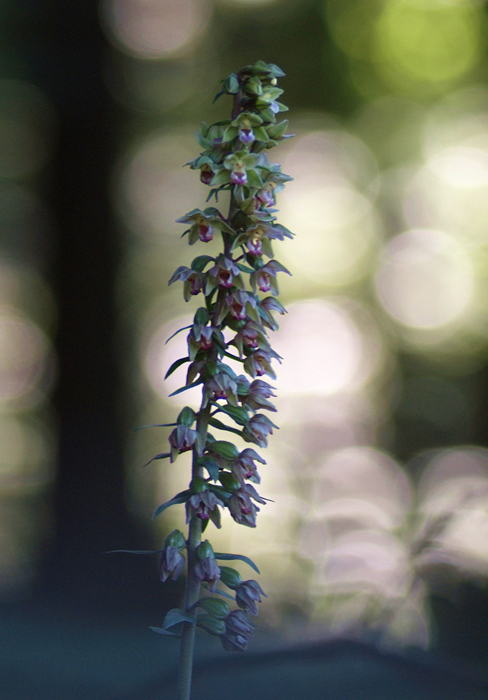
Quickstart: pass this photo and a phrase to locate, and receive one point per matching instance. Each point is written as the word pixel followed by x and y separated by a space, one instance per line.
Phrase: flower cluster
pixel 230 329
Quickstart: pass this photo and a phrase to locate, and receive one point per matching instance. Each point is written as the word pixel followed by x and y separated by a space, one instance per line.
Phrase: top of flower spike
pixel 260 69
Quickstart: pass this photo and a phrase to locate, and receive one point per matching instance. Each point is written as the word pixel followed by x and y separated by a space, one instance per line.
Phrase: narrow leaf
pixel 156 425
pixel 181 497
pixel 175 616
pixel 162 455
pixel 188 386
pixel 135 551
pixel 176 364
pixel 160 630
pixel 222 426
pixel 217 590
pixel 185 328
pixel 241 557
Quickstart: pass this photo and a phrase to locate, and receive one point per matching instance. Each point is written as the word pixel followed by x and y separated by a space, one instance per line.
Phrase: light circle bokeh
pixel 424 279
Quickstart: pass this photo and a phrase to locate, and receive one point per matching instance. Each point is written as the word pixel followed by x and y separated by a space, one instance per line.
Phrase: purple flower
pixel 171 563
pixel 259 393
pixel 266 196
pixel 222 386
pixel 208 570
pixel 258 429
pixel 205 230
pixel 206 174
pixel 226 272
pixel 238 630
pixel 248 595
pixel 181 439
pixel 245 468
pixel 237 302
pixel 265 277
pixel 241 506
pixel 205 505
pixel 259 363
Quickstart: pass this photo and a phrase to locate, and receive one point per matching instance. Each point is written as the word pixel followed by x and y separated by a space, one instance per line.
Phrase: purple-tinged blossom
pixel 226 272
pixel 181 439
pixel 248 595
pixel 258 429
pixel 221 386
pixel 206 174
pixel 258 363
pixel 241 507
pixel 245 468
pixel 171 564
pixel 205 505
pixel 208 570
pixel 238 630
pixel 259 393
pixel 237 302
pixel 265 278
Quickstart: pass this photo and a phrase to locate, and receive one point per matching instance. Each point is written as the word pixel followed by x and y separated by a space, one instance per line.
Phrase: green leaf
pixel 254 179
pixel 244 268
pixel 156 425
pixel 222 426
pixel 175 617
pixel 261 134
pixel 199 264
pixel 185 328
pixel 231 84
pixel 185 388
pixel 181 497
pixel 177 364
pixel 208 463
pixel 217 590
pixel 160 630
pixel 240 557
pixel 135 551
pixel 237 413
pixel 162 455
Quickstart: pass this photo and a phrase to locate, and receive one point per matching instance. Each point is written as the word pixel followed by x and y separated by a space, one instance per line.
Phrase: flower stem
pixel 192 593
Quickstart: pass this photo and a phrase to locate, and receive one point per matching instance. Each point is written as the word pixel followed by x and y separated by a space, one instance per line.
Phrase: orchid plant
pixel 232 324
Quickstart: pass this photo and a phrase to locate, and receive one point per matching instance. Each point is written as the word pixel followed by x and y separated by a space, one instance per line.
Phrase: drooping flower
pixel 259 393
pixel 172 561
pixel 259 363
pixel 224 273
pixel 238 630
pixel 248 595
pixel 206 568
pixel 265 278
pixel 242 508
pixel 181 439
pixel 258 429
pixel 244 466
pixel 171 564
pixel 203 224
pixel 205 505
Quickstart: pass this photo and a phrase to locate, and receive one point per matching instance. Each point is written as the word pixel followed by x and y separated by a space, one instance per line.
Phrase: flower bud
pixel 216 607
pixel 175 539
pixel 211 625
pixel 230 577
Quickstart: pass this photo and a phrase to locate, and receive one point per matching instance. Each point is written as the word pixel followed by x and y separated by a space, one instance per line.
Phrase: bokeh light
pixel 336 224
pixel 155 29
pixel 425 279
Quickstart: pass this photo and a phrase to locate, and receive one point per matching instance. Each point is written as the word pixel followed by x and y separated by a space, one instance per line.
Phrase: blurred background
pixel 378 529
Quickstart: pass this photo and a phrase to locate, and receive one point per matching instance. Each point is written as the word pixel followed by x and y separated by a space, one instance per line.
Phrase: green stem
pixel 192 593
